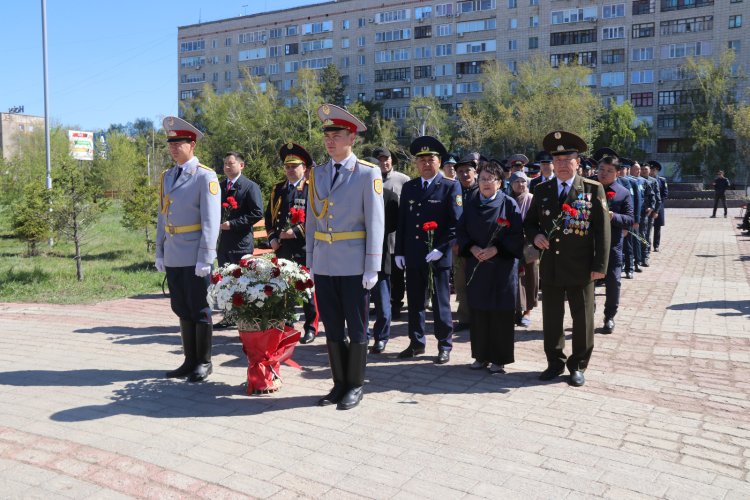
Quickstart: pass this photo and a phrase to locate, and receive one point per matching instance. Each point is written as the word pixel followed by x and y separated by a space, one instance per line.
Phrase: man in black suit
pixel 545 167
pixel 663 194
pixel 428 256
pixel 620 203
pixel 241 208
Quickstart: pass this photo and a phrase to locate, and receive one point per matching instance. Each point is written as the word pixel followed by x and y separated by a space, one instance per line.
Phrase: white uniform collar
pixel 429 181
pixel 190 165
pixel 568 183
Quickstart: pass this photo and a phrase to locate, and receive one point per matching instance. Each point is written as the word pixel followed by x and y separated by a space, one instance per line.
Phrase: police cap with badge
pixel 561 142
pixel 655 165
pixel 517 160
pixel 428 146
pixel 543 157
pixel 336 118
pixel 178 130
pixel 294 154
pixel 602 153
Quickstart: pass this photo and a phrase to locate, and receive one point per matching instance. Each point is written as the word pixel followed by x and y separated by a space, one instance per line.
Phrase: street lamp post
pixel 423 112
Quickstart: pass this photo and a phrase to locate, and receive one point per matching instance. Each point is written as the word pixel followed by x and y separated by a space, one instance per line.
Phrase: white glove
pixel 433 255
pixel 202 269
pixel 369 279
pixel 160 265
pixel 400 261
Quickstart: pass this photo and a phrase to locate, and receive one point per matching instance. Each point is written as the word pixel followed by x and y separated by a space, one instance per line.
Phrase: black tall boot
pixel 187 332
pixel 338 353
pixel 203 368
pixel 355 376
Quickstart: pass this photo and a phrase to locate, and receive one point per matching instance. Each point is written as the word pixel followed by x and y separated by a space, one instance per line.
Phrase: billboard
pixel 81 145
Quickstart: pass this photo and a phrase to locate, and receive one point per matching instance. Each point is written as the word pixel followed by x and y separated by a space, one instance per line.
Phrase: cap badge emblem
pixel 326 109
pixel 558 135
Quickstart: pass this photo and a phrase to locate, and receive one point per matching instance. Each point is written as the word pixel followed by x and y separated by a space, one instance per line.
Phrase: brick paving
pixel 665 413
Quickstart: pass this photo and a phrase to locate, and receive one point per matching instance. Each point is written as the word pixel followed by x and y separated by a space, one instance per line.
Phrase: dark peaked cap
pixel 428 145
pixel 561 142
pixel 602 152
pixel 294 153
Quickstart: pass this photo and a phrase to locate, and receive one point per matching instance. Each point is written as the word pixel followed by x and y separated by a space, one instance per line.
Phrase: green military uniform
pixel 578 247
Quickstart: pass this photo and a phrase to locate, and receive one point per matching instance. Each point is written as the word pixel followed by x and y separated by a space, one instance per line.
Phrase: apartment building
pixel 391 51
pixel 12 127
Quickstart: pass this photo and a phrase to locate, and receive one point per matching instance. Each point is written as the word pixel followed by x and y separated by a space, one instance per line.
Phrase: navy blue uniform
pixel 649 224
pixel 628 260
pixel 659 222
pixel 442 203
pixel 622 219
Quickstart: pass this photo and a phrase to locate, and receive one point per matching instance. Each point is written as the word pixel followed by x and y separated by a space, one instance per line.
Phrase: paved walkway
pixel 665 411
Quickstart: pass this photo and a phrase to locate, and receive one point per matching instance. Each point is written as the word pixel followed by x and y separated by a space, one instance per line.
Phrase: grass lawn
pixel 115 265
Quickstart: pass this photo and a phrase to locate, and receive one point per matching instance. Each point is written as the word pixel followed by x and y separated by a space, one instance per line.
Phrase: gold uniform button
pixel 416 237
pixel 557 240
pixel 557 252
pixel 331 217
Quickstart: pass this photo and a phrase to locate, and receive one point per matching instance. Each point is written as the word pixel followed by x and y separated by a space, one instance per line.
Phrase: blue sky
pixel 109 62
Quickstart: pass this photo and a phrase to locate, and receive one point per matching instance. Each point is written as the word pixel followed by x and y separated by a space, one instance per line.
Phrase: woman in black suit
pixel 490 236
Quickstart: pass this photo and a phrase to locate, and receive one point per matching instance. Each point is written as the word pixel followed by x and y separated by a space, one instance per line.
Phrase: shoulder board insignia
pixel 206 168
pixel 366 163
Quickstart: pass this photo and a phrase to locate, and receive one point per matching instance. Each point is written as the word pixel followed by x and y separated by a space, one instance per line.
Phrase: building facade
pixel 13 126
pixel 391 51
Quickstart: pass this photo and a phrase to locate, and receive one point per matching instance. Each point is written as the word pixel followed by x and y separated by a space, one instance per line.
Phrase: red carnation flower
pixel 297 215
pixel 274 260
pixel 309 283
pixel 503 222
pixel 244 262
pixel 216 277
pixel 237 273
pixel 225 205
pixel 610 195
pixel 304 269
pixel 429 226
pixel 275 272
pixel 268 290
pixel 232 201
pixel 238 299
pixel 300 286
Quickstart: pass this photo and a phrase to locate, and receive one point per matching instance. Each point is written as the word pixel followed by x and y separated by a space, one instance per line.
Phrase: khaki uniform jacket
pixel 571 258
pixel 193 199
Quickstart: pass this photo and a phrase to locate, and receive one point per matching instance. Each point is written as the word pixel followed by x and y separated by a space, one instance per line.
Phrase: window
pixel 687 49
pixel 274 51
pixel 392 35
pixel 422 32
pixel 573 15
pixel 613 33
pixel 251 36
pixel 392 16
pixel 193 46
pixel 643 30
pixel 468 87
pixel 422 71
pixel 344 62
pixel 688 25
pixel 613 56
pixel 361 22
pixel 291 66
pixel 475 5
pixel 274 33
pixel 395 93
pixel 444 30
pixel 676 97
pixel 469 68
pixel 422 91
pixel 512 44
pixel 443 69
pixel 313 28
pixel 533 42
pixel 444 9
pixel 361 78
pixel 384 56
pixel 641 76
pixel 192 62
pixel 292 30
pixel 587 58
pixel 213 43
pixel 512 4
pixel 193 78
pixel 227 76
pixel 273 69
pixel 291 49
pixel 641 7
pixel 444 89
pixel 422 52
pixel 323 43
pixel 422 13
pixel 642 99
pixel 344 43
pixel 642 54
pixel 533 2
pixel 612 11
pixel 391 74
pixel 674 73
pixel 228 41
pixel 670 121
pixel 734 45
pixel 393 113
pixel 189 94
pixel 476 47
pixel 573 37
pixel 513 23
pixel 613 79
pixel 444 49
pixel 534 22
pixel 227 59
pixel 479 25
pixel 668 5
pixel 735 21
pixel 361 41
pixel 344 25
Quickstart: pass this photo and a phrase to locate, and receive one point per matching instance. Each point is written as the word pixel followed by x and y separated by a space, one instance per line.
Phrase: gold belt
pixel 182 229
pixel 346 235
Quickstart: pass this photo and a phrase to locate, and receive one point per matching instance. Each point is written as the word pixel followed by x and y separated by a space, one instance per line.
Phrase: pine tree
pixel 140 209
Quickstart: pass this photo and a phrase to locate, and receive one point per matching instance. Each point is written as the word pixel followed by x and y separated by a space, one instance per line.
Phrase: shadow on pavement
pixel 741 306
pixel 73 378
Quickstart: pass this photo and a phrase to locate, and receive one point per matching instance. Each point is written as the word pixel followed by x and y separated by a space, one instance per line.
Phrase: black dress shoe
pixel 460 326
pixel 333 397
pixel 307 337
pixel 183 371
pixel 443 357
pixel 378 347
pixel 609 326
pixel 576 378
pixel 201 372
pixel 224 323
pixel 645 263
pixel 351 399
pixel 410 352
pixel 638 268
pixel 656 249
pixel 629 275
pixel 551 373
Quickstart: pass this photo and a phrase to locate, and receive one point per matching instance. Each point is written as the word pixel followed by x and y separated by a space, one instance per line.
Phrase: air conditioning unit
pixel 371 20
pixel 449 15
pixel 457 14
pixel 433 77
pixel 407 80
pixel 662 108
pixel 661 81
pixel 592 19
pixel 264 42
pixel 420 20
pixel 460 35
pixel 302 51
pixel 593 65
pixel 198 66
pixel 459 76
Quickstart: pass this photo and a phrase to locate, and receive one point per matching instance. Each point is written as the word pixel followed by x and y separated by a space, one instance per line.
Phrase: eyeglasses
pixel 484 179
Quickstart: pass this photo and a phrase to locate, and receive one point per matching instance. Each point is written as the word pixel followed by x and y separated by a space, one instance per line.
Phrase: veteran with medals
pixel 285 221
pixel 344 231
pixel 186 232
pixel 568 220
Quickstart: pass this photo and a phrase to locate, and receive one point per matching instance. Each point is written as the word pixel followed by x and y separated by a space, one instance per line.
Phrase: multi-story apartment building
pixel 12 127
pixel 390 51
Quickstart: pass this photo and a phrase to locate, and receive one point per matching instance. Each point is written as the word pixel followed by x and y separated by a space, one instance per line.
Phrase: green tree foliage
pixel 29 220
pixel 437 123
pixel 123 163
pixel 77 203
pixel 332 85
pixel 140 209
pixel 741 128
pixel 620 130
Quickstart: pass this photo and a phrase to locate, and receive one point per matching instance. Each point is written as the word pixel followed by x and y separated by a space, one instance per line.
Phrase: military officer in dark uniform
pixel 344 232
pixel 285 228
pixel 648 202
pixel 654 186
pixel 428 198
pixel 547 171
pixel 186 232
pixel 620 204
pixel 575 255
pixel 663 195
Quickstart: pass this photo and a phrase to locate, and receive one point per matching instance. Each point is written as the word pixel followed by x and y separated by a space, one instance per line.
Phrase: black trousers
pixel 657 236
pixel 612 286
pixel 492 335
pixel 187 294
pixel 398 285
pixel 581 304
pixel 417 291
pixel 723 198
pixel 343 306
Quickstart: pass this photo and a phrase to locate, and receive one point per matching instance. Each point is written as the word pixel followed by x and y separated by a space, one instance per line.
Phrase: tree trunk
pixel 148 243
pixel 77 241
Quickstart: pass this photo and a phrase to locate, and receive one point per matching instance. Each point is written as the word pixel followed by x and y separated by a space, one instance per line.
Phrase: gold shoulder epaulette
pixel 367 163
pixel 590 181
pixel 206 168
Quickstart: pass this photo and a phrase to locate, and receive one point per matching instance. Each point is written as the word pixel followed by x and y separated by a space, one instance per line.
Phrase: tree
pixel 437 123
pixel 620 130
pixel 308 94
pixel 77 203
pixel 140 209
pixel 472 129
pixel 332 85
pixel 29 221
pixel 123 163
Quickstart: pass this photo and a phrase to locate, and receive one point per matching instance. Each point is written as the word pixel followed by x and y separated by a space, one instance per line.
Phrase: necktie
pixel 424 185
pixel 336 175
pixel 229 185
pixel 563 193
pixel 179 171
